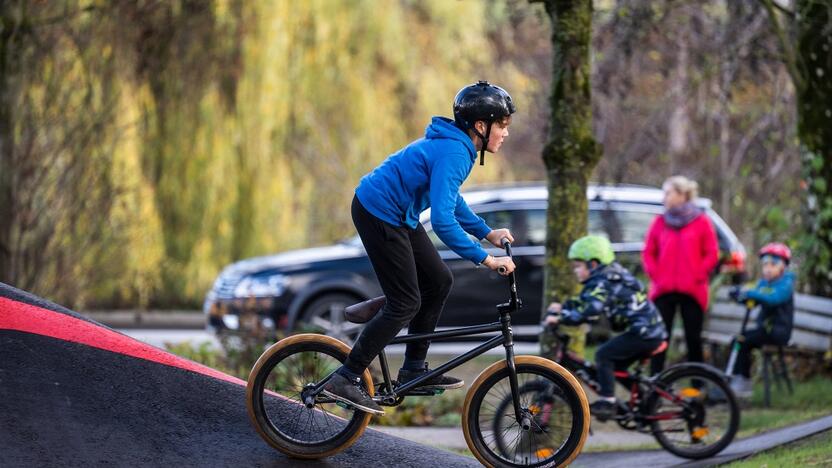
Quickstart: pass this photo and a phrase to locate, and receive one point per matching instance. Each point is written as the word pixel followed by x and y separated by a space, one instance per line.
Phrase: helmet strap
pixel 484 142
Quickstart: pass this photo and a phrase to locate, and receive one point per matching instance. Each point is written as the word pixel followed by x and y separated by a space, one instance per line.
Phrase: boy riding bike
pixel 610 289
pixel 385 210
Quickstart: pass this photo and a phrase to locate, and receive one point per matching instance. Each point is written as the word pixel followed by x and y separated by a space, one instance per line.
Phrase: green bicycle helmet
pixel 592 248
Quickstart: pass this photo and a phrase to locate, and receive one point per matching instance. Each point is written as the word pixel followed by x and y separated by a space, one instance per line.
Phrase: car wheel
pixel 326 315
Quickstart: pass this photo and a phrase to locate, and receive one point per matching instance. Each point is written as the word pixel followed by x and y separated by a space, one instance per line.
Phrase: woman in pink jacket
pixel 679 254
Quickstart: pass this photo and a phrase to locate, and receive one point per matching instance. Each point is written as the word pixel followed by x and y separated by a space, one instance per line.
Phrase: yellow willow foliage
pixel 134 216
pixel 249 124
pixel 331 88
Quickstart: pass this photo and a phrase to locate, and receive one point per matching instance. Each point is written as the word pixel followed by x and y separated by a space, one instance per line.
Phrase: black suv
pixel 309 288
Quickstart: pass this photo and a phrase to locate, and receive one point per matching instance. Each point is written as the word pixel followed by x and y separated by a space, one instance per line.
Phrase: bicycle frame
pixel 584 371
pixel 505 339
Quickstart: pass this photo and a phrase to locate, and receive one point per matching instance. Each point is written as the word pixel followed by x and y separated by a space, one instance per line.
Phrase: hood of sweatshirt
pixel 445 128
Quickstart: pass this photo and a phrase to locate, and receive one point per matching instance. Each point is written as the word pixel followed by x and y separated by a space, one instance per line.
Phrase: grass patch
pixel 811 399
pixel 813 451
pixel 235 361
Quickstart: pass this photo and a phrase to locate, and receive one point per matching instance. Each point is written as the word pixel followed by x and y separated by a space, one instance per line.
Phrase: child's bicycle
pixel 289 411
pixel 689 408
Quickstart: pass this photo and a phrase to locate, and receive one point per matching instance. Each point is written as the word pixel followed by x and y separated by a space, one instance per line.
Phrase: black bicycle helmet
pixel 482 101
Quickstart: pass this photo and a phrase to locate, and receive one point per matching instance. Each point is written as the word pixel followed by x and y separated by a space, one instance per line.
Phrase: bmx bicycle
pixel 289 411
pixel 689 407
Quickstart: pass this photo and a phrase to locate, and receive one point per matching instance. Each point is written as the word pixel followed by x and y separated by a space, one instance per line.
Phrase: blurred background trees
pixel 146 144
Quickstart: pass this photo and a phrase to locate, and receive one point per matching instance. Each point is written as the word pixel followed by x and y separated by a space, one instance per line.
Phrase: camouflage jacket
pixel 615 292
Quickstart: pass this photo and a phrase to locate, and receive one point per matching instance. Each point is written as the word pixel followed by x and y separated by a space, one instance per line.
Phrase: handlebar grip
pixel 502 270
pixel 505 242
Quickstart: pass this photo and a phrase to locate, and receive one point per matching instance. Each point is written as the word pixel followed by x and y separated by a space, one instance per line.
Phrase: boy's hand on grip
pixel 502 265
pixel 496 237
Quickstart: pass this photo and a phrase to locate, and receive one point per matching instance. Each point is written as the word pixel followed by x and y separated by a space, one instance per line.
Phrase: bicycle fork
pixel 522 417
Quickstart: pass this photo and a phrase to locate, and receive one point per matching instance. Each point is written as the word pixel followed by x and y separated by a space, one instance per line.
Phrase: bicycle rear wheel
pixel 275 406
pixel 551 399
pixel 693 412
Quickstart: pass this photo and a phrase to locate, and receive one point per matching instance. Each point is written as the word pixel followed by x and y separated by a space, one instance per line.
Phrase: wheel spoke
pixel 322 323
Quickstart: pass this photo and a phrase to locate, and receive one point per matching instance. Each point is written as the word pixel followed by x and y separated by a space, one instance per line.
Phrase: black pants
pixel 413 277
pixel 619 353
pixel 692 317
pixel 754 338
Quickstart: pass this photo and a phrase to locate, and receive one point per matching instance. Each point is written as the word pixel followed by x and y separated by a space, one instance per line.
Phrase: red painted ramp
pixel 76 393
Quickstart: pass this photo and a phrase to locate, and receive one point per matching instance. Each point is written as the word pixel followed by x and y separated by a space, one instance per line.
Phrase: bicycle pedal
pixel 344 405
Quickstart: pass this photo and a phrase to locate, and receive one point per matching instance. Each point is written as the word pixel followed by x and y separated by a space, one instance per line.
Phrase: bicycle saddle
pixel 658 350
pixel 364 311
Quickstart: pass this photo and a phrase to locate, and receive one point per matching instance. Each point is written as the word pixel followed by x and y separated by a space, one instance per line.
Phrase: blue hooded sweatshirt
pixel 427 174
pixel 776 298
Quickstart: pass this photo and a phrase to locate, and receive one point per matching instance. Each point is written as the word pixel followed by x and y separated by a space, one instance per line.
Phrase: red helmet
pixel 777 249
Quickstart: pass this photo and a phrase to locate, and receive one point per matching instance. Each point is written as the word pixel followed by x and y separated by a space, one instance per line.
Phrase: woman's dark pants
pixel 692 319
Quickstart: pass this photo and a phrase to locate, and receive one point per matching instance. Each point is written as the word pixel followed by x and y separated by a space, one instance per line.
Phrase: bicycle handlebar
pixel 506 245
pixel 515 301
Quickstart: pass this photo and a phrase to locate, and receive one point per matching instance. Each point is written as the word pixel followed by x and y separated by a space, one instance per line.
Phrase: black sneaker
pixel 352 393
pixel 602 410
pixel 443 382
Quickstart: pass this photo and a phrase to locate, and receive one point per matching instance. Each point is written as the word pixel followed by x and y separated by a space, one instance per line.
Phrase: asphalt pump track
pixel 74 392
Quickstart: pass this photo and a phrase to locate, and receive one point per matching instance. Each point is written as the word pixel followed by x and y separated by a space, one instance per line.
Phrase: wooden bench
pixel 812 333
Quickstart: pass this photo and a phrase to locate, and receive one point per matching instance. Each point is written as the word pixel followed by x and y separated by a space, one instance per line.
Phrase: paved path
pixel 737 450
pixel 452 438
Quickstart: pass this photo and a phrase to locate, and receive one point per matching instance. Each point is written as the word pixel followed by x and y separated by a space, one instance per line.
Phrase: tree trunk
pixel 814 128
pixel 571 152
pixel 679 123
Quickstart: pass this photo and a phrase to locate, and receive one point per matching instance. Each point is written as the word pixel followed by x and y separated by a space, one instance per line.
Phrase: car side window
pixel 495 219
pixel 634 224
pixel 604 222
pixel 536 226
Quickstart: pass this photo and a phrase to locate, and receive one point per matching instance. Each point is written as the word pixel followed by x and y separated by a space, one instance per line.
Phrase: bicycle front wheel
pixel 275 406
pixel 553 406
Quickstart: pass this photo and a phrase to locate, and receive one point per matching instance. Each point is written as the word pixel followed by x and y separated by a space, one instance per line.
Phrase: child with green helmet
pixel 609 289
